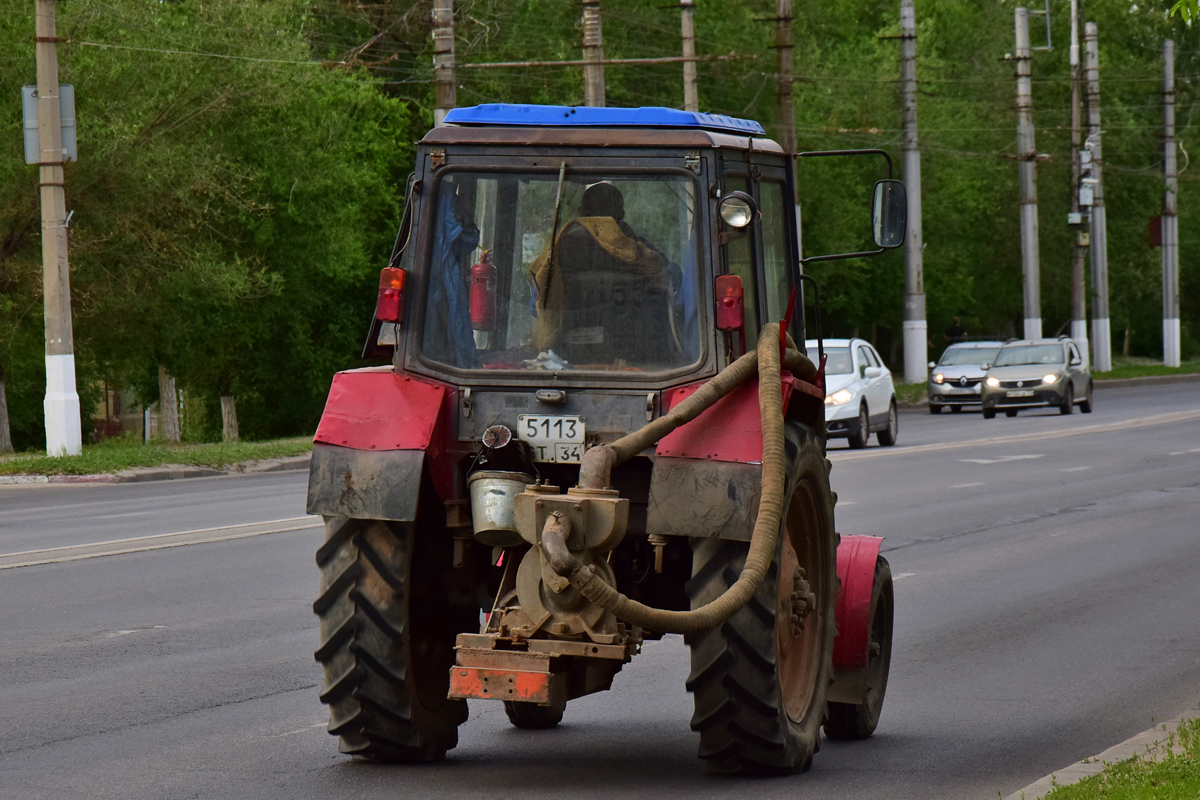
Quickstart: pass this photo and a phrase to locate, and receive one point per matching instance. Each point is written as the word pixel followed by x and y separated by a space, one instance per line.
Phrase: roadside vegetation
pixel 114 455
pixel 1169 772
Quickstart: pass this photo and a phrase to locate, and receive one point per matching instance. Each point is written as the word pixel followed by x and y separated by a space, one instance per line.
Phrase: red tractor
pixel 578 447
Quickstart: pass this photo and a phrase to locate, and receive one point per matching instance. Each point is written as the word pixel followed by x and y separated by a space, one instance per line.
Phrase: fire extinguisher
pixel 483 294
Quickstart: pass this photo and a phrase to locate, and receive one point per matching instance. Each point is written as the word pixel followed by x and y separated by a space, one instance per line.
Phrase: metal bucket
pixel 493 495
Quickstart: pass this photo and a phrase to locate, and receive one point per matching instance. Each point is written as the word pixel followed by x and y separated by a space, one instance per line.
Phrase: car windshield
pixel 957 356
pixel 618 290
pixel 838 361
pixel 1020 354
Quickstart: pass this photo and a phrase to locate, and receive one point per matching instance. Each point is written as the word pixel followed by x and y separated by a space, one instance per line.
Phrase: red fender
pixel 378 408
pixel 856 556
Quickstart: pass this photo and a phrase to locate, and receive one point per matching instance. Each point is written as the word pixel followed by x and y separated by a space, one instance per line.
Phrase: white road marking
pixel 965 485
pixel 114 634
pixel 1041 436
pixel 160 541
pixel 999 459
pixel 902 575
pixel 302 730
pixel 1074 469
pixel 1184 452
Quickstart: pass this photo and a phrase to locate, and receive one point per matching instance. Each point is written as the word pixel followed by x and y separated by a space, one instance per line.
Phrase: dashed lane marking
pixel 965 485
pixel 1074 469
pixel 160 541
pixel 902 575
pixel 1039 436
pixel 999 459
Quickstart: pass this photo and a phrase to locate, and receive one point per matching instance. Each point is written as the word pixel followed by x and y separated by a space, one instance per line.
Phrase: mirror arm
pixel 863 254
pixel 817 315
pixel 864 152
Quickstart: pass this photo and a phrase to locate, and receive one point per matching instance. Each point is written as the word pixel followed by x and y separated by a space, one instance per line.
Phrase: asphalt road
pixel 1048 574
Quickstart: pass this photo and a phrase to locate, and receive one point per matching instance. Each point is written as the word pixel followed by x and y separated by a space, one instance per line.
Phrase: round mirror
pixel 737 209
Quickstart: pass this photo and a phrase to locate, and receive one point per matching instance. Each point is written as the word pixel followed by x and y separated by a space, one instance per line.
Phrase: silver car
pixel 1036 373
pixel 954 380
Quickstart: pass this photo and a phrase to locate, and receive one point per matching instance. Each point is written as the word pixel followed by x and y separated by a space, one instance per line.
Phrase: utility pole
pixel 1078 278
pixel 64 433
pixel 1101 338
pixel 786 76
pixel 691 92
pixel 915 328
pixel 593 51
pixel 1026 159
pixel 1170 220
pixel 443 59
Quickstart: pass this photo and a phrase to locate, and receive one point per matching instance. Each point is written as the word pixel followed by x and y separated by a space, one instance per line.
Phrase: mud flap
pixel 365 484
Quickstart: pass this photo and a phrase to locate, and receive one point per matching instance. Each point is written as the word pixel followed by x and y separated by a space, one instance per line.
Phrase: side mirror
pixel 1075 362
pixel 932 365
pixel 889 213
pixel 985 366
pixel 872 372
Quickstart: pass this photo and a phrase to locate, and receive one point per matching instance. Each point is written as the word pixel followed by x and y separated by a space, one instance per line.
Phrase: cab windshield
pixel 585 271
pixel 1019 355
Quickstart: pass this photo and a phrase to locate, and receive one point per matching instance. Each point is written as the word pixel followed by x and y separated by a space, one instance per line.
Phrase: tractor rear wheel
pixel 531 716
pixel 848 721
pixel 387 640
pixel 761 677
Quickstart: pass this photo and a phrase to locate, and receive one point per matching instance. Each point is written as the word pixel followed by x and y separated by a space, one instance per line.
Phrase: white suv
pixel 860 398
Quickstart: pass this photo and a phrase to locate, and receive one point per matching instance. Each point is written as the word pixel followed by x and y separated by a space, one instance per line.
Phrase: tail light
pixel 390 305
pixel 483 294
pixel 731 309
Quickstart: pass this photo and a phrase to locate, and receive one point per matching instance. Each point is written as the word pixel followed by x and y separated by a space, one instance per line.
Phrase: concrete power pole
pixel 443 59
pixel 1027 157
pixel 1170 220
pixel 915 329
pixel 1078 273
pixel 593 50
pixel 786 76
pixel 64 432
pixel 691 91
pixel 1101 338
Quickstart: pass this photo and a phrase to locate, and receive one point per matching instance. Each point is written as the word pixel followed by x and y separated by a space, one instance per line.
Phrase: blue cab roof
pixel 583 116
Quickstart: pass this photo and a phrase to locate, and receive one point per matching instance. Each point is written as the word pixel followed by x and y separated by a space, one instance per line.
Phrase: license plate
pixel 1021 393
pixel 557 440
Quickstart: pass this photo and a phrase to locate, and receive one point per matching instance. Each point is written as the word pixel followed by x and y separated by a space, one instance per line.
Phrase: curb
pixel 1142 743
pixel 168 472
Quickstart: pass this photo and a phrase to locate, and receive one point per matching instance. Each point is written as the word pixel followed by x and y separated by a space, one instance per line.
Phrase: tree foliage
pixel 241 163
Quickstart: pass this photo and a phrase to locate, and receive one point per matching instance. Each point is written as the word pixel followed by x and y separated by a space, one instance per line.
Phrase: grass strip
pixel 1170 771
pixel 114 455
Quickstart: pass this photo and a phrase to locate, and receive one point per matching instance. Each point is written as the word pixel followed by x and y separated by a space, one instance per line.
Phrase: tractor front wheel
pixel 531 716
pixel 847 721
pixel 760 678
pixel 387 640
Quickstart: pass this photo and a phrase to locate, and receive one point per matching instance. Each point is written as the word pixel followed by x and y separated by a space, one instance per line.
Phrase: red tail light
pixel 390 305
pixel 731 310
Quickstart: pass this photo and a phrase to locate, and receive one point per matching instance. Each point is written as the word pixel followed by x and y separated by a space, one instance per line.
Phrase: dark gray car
pixel 1034 373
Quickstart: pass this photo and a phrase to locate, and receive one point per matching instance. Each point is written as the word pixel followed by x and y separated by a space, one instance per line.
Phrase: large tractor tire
pixel 387 640
pixel 848 721
pixel 760 678
pixel 531 716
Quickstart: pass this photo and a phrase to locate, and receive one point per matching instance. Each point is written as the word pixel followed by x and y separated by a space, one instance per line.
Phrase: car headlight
pixel 1049 378
pixel 839 398
pixel 939 378
pixel 993 382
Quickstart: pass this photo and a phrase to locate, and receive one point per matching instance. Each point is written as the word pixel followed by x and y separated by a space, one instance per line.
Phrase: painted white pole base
pixel 916 351
pixel 1101 345
pixel 1033 327
pixel 64 431
pixel 1171 343
pixel 1079 334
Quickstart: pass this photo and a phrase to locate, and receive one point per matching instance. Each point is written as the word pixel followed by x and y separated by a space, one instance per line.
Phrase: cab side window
pixel 739 260
pixel 776 262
